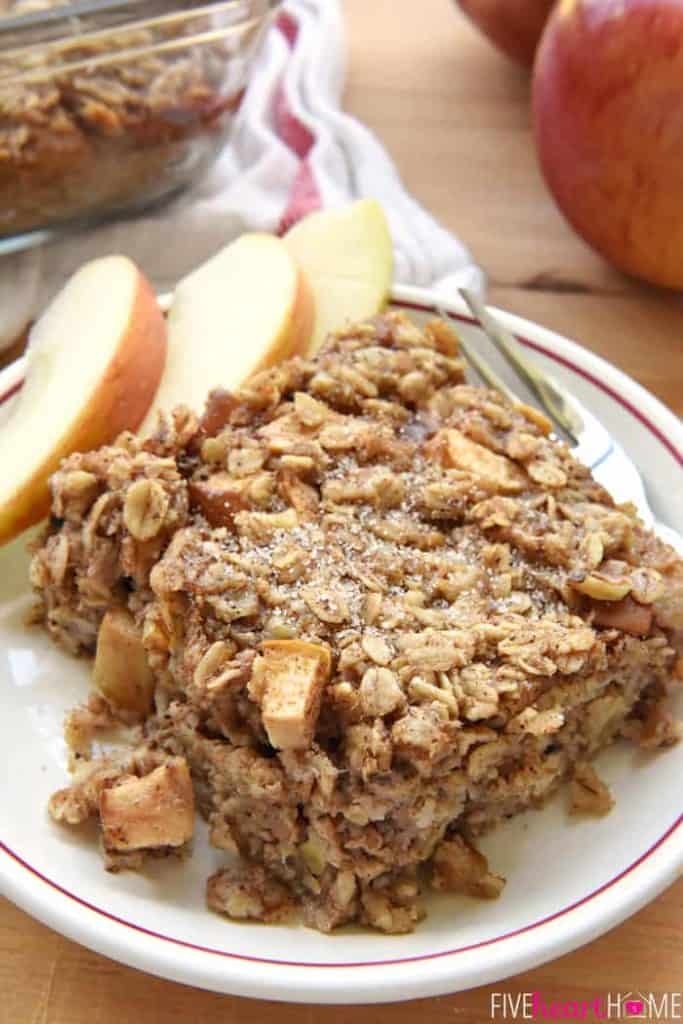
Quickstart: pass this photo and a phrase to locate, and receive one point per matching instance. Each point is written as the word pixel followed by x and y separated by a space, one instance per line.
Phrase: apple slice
pixel 347 257
pixel 93 364
pixel 245 309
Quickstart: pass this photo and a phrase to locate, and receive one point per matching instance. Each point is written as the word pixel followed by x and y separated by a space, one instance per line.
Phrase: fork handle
pixel 551 396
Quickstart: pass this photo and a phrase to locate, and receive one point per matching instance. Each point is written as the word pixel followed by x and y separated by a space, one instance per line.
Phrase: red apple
pixel 514 26
pixel 607 93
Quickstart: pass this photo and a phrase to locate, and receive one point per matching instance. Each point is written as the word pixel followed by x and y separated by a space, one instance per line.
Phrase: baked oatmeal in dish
pixel 359 612
pixel 106 121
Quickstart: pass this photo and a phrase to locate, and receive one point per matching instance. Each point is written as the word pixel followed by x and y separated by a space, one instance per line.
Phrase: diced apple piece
pixel 493 472
pixel 150 812
pixel 262 526
pixel 347 256
pixel 122 673
pixel 288 682
pixel 94 362
pixel 626 615
pixel 245 309
pixel 459 867
pixel 220 497
pixel 588 793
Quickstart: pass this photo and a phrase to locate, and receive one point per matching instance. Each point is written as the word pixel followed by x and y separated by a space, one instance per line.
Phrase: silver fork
pixel 591 442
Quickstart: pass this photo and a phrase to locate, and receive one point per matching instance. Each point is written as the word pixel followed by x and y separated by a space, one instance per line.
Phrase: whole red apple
pixel 514 26
pixel 608 121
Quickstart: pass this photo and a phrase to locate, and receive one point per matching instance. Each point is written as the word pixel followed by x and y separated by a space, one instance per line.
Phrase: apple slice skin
pixel 123 395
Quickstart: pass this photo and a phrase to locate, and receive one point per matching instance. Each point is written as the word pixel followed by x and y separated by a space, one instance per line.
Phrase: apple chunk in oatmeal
pixel 418 618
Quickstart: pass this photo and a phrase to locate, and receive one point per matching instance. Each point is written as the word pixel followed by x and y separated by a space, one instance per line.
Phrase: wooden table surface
pixel 455 117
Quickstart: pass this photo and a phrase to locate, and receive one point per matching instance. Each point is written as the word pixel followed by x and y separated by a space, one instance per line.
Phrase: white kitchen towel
pixel 292 150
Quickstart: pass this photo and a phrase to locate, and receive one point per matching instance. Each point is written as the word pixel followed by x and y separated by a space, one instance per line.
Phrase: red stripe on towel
pixel 304 195
pixel 291 130
pixel 289 27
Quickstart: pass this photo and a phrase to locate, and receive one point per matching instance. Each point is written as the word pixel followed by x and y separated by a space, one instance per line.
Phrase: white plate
pixel 568 881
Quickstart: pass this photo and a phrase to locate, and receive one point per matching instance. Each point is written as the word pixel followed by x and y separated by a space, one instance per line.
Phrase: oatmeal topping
pixel 382 609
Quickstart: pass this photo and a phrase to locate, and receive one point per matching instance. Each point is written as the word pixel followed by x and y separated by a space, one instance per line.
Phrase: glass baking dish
pixel 108 106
